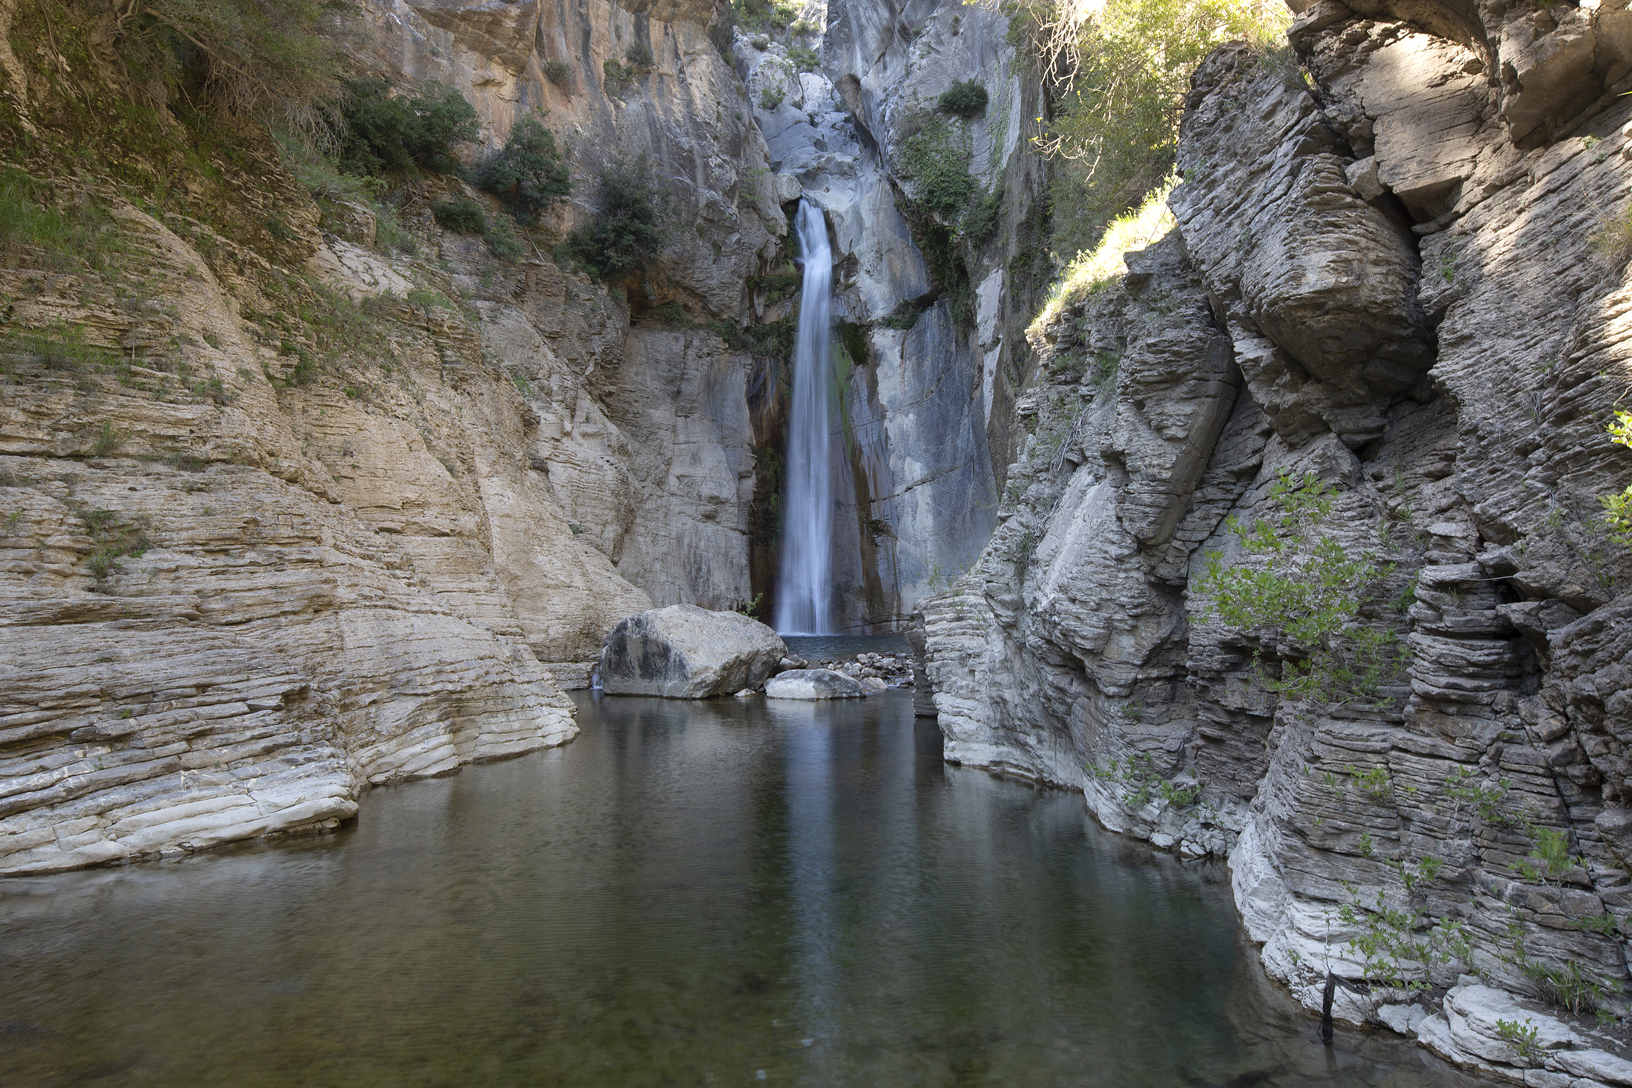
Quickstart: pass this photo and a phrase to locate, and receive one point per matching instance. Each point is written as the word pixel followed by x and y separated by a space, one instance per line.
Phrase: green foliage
pixel 804 58
pixel 763 15
pixel 108 439
pixel 903 317
pixel 398 135
pixel 42 224
pixel 503 243
pixel 1374 782
pixel 1115 129
pixel 528 173
pixel 1306 595
pixel 1487 800
pixel 771 97
pixel 1549 861
pixel 463 215
pixel 558 72
pixel 935 158
pixel 1525 1039
pixel 1141 780
pixel 981 221
pixel 113 538
pixel 62 348
pixel 639 55
pixel 947 269
pixel 963 99
pixel 1106 364
pixel 1397 940
pixel 1613 240
pixel 616 77
pixel 1567 985
pixel 752 607
pixel 629 228
pixel 1618 508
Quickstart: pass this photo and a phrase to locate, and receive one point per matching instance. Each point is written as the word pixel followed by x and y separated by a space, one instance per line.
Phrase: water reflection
pixel 688 894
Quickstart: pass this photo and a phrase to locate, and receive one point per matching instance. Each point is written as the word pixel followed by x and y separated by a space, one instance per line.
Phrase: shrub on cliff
pixel 630 227
pixel 385 134
pixel 963 99
pixel 935 158
pixel 528 173
pixel 463 215
pixel 1303 598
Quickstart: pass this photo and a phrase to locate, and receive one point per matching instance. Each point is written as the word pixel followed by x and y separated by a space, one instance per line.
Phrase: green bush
pixel 629 228
pixel 559 72
pixel 983 217
pixel 1307 596
pixel 936 161
pixel 503 243
pixel 463 215
pixel 528 173
pixel 962 99
pixel 639 55
pixel 398 135
pixel 771 98
pixel 804 58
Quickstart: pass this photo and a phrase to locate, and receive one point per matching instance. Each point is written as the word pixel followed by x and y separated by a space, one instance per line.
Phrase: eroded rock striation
pixel 1382 284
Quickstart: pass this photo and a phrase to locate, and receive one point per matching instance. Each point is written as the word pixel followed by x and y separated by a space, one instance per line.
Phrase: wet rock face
pixel 1383 276
pixel 686 652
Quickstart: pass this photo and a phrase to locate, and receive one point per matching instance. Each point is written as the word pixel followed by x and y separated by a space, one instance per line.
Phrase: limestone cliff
pixel 1383 274
pixel 285 513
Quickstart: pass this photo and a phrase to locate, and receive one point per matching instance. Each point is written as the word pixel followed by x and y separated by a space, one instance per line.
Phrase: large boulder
pixel 686 652
pixel 813 684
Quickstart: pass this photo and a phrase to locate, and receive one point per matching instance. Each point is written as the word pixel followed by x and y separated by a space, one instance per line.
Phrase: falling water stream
pixel 804 595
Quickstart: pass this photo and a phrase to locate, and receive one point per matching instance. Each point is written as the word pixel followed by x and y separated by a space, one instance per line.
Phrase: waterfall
pixel 805 593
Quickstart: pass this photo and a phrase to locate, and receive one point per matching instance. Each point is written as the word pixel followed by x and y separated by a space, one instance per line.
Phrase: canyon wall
pixel 295 499
pixel 1388 287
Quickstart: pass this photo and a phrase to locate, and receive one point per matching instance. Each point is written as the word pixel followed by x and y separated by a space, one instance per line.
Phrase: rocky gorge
pixel 1379 298
pixel 287 511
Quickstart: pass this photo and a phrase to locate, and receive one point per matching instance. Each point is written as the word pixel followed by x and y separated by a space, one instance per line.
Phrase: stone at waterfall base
pixel 813 684
pixel 686 652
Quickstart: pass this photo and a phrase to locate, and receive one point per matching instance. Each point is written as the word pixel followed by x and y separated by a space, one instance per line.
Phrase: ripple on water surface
pixel 725 892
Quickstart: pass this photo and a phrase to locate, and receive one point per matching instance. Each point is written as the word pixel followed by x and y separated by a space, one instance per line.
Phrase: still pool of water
pixel 829 647
pixel 727 892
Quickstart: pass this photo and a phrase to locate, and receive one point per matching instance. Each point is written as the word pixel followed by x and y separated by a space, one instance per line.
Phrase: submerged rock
pixel 686 652
pixel 814 684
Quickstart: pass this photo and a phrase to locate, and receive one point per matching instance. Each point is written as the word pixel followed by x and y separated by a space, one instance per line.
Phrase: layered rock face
pixel 231 603
pixel 646 431
pixel 274 533
pixel 1383 275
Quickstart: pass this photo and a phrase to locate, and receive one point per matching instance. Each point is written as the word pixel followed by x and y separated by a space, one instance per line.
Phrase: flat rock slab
pixel 813 684
pixel 686 652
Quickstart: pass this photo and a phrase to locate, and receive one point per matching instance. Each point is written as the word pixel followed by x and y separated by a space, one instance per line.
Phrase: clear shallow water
pixel 688 894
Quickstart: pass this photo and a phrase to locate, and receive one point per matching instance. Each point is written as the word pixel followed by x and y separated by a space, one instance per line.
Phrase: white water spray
pixel 805 595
